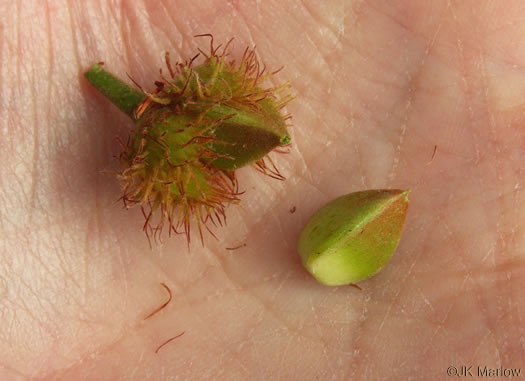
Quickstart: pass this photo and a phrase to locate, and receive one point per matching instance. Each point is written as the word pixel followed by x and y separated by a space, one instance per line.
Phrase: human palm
pixel 403 94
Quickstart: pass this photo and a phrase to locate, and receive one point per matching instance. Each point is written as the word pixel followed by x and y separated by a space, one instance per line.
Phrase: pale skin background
pixel 379 84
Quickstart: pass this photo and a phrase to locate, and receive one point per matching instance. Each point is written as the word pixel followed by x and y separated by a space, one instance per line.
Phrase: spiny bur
pixel 198 125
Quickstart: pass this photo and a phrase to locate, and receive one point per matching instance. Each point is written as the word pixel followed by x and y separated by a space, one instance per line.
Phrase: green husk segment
pixel 352 237
pixel 198 126
pixel 245 119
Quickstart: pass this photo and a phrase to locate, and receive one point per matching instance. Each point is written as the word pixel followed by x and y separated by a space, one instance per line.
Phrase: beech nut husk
pixel 199 124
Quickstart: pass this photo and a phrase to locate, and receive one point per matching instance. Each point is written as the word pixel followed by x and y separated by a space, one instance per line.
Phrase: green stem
pixel 118 92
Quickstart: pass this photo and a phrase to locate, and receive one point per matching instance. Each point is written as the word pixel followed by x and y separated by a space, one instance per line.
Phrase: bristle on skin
pixel 171 159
